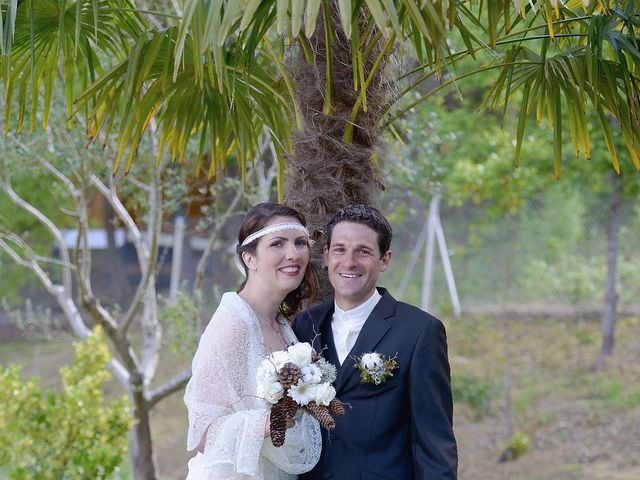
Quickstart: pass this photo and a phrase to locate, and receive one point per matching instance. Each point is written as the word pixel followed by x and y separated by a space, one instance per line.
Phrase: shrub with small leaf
pixel 472 390
pixel 180 324
pixel 517 446
pixel 70 434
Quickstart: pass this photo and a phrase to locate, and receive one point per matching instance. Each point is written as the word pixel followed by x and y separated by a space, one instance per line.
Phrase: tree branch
pixel 142 249
pixel 111 196
pixel 46 164
pixel 150 322
pixel 6 187
pixel 204 258
pixel 173 385
pixel 31 264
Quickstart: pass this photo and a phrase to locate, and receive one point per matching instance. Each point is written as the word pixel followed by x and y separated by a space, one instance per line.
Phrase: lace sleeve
pixel 220 397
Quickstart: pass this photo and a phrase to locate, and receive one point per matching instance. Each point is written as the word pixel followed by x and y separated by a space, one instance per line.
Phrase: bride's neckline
pixel 274 325
pixel 259 315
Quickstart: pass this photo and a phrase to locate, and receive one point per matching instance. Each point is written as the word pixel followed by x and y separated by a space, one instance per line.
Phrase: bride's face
pixel 280 259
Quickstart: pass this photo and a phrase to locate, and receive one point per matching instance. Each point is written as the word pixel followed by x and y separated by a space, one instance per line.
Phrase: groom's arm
pixel 433 442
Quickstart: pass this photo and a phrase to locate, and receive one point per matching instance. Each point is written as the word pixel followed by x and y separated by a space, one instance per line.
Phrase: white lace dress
pixel 221 396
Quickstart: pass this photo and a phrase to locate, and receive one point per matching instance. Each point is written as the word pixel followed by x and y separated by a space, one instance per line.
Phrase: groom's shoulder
pixel 306 319
pixel 315 311
pixel 415 317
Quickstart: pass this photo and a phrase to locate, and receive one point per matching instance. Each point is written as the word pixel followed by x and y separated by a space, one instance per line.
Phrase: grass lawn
pixel 571 423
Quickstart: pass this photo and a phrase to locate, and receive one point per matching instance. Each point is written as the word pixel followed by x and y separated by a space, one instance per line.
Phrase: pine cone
pixel 289 406
pixel 336 407
pixel 277 424
pixel 289 375
pixel 321 413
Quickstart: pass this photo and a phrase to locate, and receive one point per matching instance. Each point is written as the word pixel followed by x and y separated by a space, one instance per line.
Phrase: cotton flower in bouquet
pixel 298 378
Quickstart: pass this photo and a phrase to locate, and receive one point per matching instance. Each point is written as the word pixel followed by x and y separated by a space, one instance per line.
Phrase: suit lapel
pixel 372 332
pixel 322 334
pixel 328 345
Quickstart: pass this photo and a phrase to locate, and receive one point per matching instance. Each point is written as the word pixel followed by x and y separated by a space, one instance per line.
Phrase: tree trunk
pixel 610 295
pixel 140 436
pixel 327 172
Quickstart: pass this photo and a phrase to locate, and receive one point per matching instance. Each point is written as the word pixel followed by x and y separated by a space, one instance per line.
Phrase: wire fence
pixel 548 259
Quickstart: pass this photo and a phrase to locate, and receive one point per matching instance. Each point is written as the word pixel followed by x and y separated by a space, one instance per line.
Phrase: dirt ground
pixel 575 446
pixel 580 425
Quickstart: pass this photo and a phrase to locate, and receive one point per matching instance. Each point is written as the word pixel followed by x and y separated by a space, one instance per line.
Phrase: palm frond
pixel 77 36
pixel 185 107
pixel 582 62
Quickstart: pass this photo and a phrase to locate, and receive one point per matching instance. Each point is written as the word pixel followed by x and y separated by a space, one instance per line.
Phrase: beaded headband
pixel 278 227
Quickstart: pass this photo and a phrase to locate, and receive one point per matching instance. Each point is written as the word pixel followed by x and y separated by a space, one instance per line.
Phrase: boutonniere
pixel 375 368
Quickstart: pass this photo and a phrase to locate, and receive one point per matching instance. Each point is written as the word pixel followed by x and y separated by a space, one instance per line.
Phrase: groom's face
pixel 354 261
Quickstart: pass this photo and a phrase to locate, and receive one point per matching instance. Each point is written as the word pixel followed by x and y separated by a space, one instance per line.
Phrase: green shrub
pixel 181 330
pixel 70 434
pixel 473 391
pixel 517 446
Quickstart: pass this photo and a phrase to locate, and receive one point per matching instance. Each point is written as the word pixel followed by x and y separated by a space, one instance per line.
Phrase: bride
pixel 228 423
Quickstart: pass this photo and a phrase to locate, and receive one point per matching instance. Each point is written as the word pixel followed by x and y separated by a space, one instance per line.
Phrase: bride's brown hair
pixel 256 219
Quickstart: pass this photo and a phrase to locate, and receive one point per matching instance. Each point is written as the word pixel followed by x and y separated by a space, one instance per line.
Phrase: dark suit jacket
pixel 402 428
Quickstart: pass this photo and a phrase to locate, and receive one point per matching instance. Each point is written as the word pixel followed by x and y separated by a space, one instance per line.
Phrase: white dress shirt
pixel 346 324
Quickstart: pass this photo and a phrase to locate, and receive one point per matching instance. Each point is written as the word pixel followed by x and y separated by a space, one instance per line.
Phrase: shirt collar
pixel 359 313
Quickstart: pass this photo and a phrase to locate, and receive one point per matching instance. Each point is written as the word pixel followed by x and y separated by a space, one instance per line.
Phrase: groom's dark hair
pixel 366 215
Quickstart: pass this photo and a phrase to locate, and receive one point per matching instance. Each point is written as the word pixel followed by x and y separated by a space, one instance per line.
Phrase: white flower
pixel 311 373
pixel 279 358
pixel 371 360
pixel 324 393
pixel 267 372
pixel 271 392
pixel 300 354
pixel 303 392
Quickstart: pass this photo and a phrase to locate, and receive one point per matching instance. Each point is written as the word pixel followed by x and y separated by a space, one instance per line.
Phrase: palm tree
pixel 565 57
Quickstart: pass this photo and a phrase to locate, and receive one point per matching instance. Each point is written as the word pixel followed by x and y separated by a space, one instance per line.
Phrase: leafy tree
pixel 613 191
pixel 74 433
pixel 473 165
pixel 142 202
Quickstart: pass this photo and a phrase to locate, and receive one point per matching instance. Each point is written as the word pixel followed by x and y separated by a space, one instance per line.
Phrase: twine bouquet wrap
pixel 298 378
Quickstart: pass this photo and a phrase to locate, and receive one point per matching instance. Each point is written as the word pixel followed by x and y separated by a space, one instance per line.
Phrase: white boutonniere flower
pixel 375 368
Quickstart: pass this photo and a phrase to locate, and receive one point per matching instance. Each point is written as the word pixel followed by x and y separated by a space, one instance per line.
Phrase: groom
pixel 401 428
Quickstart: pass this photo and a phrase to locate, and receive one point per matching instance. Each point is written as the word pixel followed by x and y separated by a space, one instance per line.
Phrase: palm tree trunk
pixel 610 295
pixel 325 171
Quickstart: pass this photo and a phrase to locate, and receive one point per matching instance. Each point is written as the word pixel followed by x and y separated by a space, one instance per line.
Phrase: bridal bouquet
pixel 298 378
